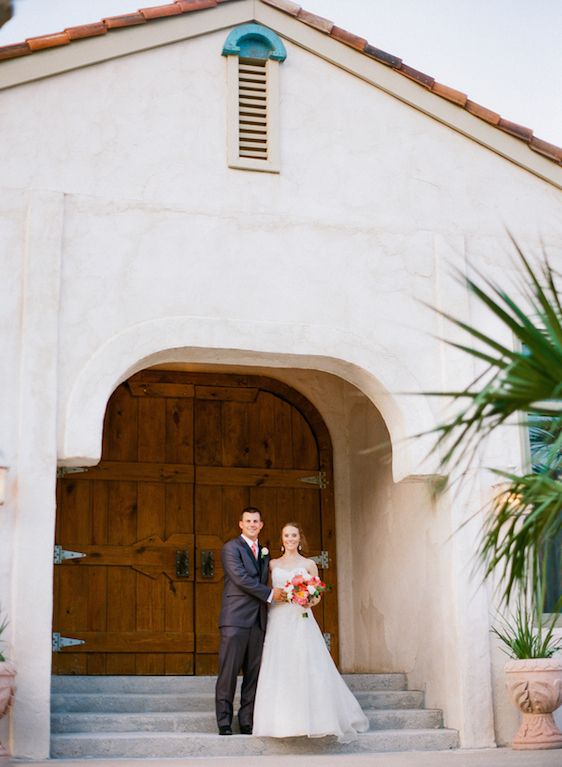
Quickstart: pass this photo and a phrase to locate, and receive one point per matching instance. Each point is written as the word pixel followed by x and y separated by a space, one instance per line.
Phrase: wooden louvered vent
pixel 252 110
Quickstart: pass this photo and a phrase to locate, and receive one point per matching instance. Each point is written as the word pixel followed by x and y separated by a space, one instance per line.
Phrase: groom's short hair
pixel 250 510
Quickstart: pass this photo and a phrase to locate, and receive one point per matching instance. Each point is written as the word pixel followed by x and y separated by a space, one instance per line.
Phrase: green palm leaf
pixel 522 529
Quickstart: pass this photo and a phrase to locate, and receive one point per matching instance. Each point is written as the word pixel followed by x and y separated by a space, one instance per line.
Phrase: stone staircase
pixel 142 717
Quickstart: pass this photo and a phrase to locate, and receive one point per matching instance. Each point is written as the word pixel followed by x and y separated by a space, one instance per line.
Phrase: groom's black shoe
pixel 245 729
pixel 225 730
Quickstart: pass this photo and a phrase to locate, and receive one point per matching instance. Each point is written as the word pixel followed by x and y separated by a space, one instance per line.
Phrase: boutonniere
pixel 264 552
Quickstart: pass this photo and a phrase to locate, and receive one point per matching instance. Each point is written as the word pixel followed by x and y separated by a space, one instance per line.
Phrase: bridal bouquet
pixel 302 589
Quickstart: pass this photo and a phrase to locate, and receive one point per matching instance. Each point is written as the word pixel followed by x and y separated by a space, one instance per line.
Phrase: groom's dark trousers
pixel 242 625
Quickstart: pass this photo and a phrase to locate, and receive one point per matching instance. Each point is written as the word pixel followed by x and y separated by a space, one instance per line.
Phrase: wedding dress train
pixel 300 691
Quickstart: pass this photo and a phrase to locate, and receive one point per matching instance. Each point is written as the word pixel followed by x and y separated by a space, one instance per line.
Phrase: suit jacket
pixel 245 593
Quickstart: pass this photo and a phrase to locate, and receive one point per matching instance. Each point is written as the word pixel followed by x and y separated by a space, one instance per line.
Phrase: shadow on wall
pixel 400 557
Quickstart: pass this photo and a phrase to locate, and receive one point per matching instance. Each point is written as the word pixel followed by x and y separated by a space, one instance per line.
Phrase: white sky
pixel 506 54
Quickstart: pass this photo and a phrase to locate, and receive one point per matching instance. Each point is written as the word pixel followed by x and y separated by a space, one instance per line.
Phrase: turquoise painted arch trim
pixel 252 41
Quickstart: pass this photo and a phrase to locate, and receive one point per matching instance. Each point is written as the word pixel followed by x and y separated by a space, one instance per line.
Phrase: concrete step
pixel 405 719
pixel 181 684
pixel 390 699
pixel 204 722
pixel 201 701
pixel 357 682
pixel 131 702
pixel 179 745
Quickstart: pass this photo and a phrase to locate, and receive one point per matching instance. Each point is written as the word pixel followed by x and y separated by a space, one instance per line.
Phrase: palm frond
pixel 517 380
pixel 525 518
pixel 523 528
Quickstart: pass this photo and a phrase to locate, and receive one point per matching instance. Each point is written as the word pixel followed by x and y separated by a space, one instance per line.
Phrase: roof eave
pixel 123 42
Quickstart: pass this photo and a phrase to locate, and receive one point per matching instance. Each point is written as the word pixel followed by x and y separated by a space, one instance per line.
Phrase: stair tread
pixel 140 684
pixel 197 693
pixel 178 745
pixel 204 721
pixel 203 701
pixel 194 714
pixel 103 736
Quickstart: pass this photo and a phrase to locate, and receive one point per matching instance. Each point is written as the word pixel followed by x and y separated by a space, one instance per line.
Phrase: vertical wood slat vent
pixel 252 109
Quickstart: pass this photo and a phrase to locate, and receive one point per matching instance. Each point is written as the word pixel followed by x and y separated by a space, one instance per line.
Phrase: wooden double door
pixel 138 578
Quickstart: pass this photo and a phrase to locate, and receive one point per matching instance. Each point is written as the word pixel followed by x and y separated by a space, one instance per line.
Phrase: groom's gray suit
pixel 242 622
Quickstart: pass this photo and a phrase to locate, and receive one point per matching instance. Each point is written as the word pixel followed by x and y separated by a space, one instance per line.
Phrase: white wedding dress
pixel 300 691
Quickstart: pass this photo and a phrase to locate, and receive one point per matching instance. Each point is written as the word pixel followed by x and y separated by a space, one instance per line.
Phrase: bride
pixel 300 691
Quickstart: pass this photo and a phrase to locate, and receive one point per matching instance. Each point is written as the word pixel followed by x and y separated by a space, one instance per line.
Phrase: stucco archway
pixel 361 416
pixel 378 375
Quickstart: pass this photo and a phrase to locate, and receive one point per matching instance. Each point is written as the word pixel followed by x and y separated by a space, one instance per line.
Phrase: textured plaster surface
pixel 146 248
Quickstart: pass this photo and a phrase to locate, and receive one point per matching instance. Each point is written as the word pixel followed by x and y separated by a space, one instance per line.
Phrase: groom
pixel 242 621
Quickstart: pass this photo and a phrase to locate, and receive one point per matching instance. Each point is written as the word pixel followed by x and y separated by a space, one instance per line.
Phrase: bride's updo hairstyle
pixel 303 544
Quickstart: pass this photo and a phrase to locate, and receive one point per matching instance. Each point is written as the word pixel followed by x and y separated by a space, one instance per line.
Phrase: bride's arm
pixel 312 568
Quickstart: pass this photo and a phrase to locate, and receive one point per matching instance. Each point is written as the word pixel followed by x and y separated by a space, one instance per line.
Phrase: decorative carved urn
pixel 7 692
pixel 535 686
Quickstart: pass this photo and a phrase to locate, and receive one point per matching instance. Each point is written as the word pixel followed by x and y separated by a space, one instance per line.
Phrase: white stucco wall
pixel 401 565
pixel 128 241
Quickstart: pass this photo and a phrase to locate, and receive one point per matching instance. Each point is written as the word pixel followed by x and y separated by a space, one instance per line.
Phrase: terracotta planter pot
pixel 535 686
pixel 7 692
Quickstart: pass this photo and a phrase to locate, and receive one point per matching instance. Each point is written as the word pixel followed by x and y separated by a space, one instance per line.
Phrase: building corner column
pixel 36 474
pixel 470 709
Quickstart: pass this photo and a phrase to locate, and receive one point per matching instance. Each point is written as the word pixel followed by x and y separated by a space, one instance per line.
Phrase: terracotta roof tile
pixel 318 22
pixel 48 41
pixel 187 6
pixel 484 114
pixel 548 150
pixel 126 20
pixel 515 129
pixel 14 51
pixel 414 74
pixel 160 11
pixel 43 42
pixel 349 39
pixel 382 56
pixel 284 5
pixel 86 30
pixel 450 94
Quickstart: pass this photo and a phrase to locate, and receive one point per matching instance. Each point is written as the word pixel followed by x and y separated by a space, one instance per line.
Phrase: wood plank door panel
pixel 130 515
pixel 182 454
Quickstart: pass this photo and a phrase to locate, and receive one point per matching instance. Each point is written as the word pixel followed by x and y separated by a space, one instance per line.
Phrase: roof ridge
pixel 327 27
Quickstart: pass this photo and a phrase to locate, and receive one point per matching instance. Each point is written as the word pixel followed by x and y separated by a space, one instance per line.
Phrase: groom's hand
pixel 279 595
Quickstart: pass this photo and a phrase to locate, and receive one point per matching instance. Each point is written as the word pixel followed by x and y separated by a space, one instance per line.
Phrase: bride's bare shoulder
pixel 273 563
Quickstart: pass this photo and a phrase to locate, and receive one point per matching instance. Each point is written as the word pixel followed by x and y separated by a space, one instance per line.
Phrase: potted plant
pixel 7 681
pixel 533 675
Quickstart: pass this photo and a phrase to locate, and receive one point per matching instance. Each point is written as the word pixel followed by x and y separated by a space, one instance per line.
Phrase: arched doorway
pixel 182 454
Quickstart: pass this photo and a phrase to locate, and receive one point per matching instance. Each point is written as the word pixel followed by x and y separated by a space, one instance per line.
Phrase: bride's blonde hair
pixel 303 543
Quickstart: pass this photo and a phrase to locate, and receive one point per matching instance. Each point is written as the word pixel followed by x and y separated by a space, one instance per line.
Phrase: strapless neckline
pixel 291 569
